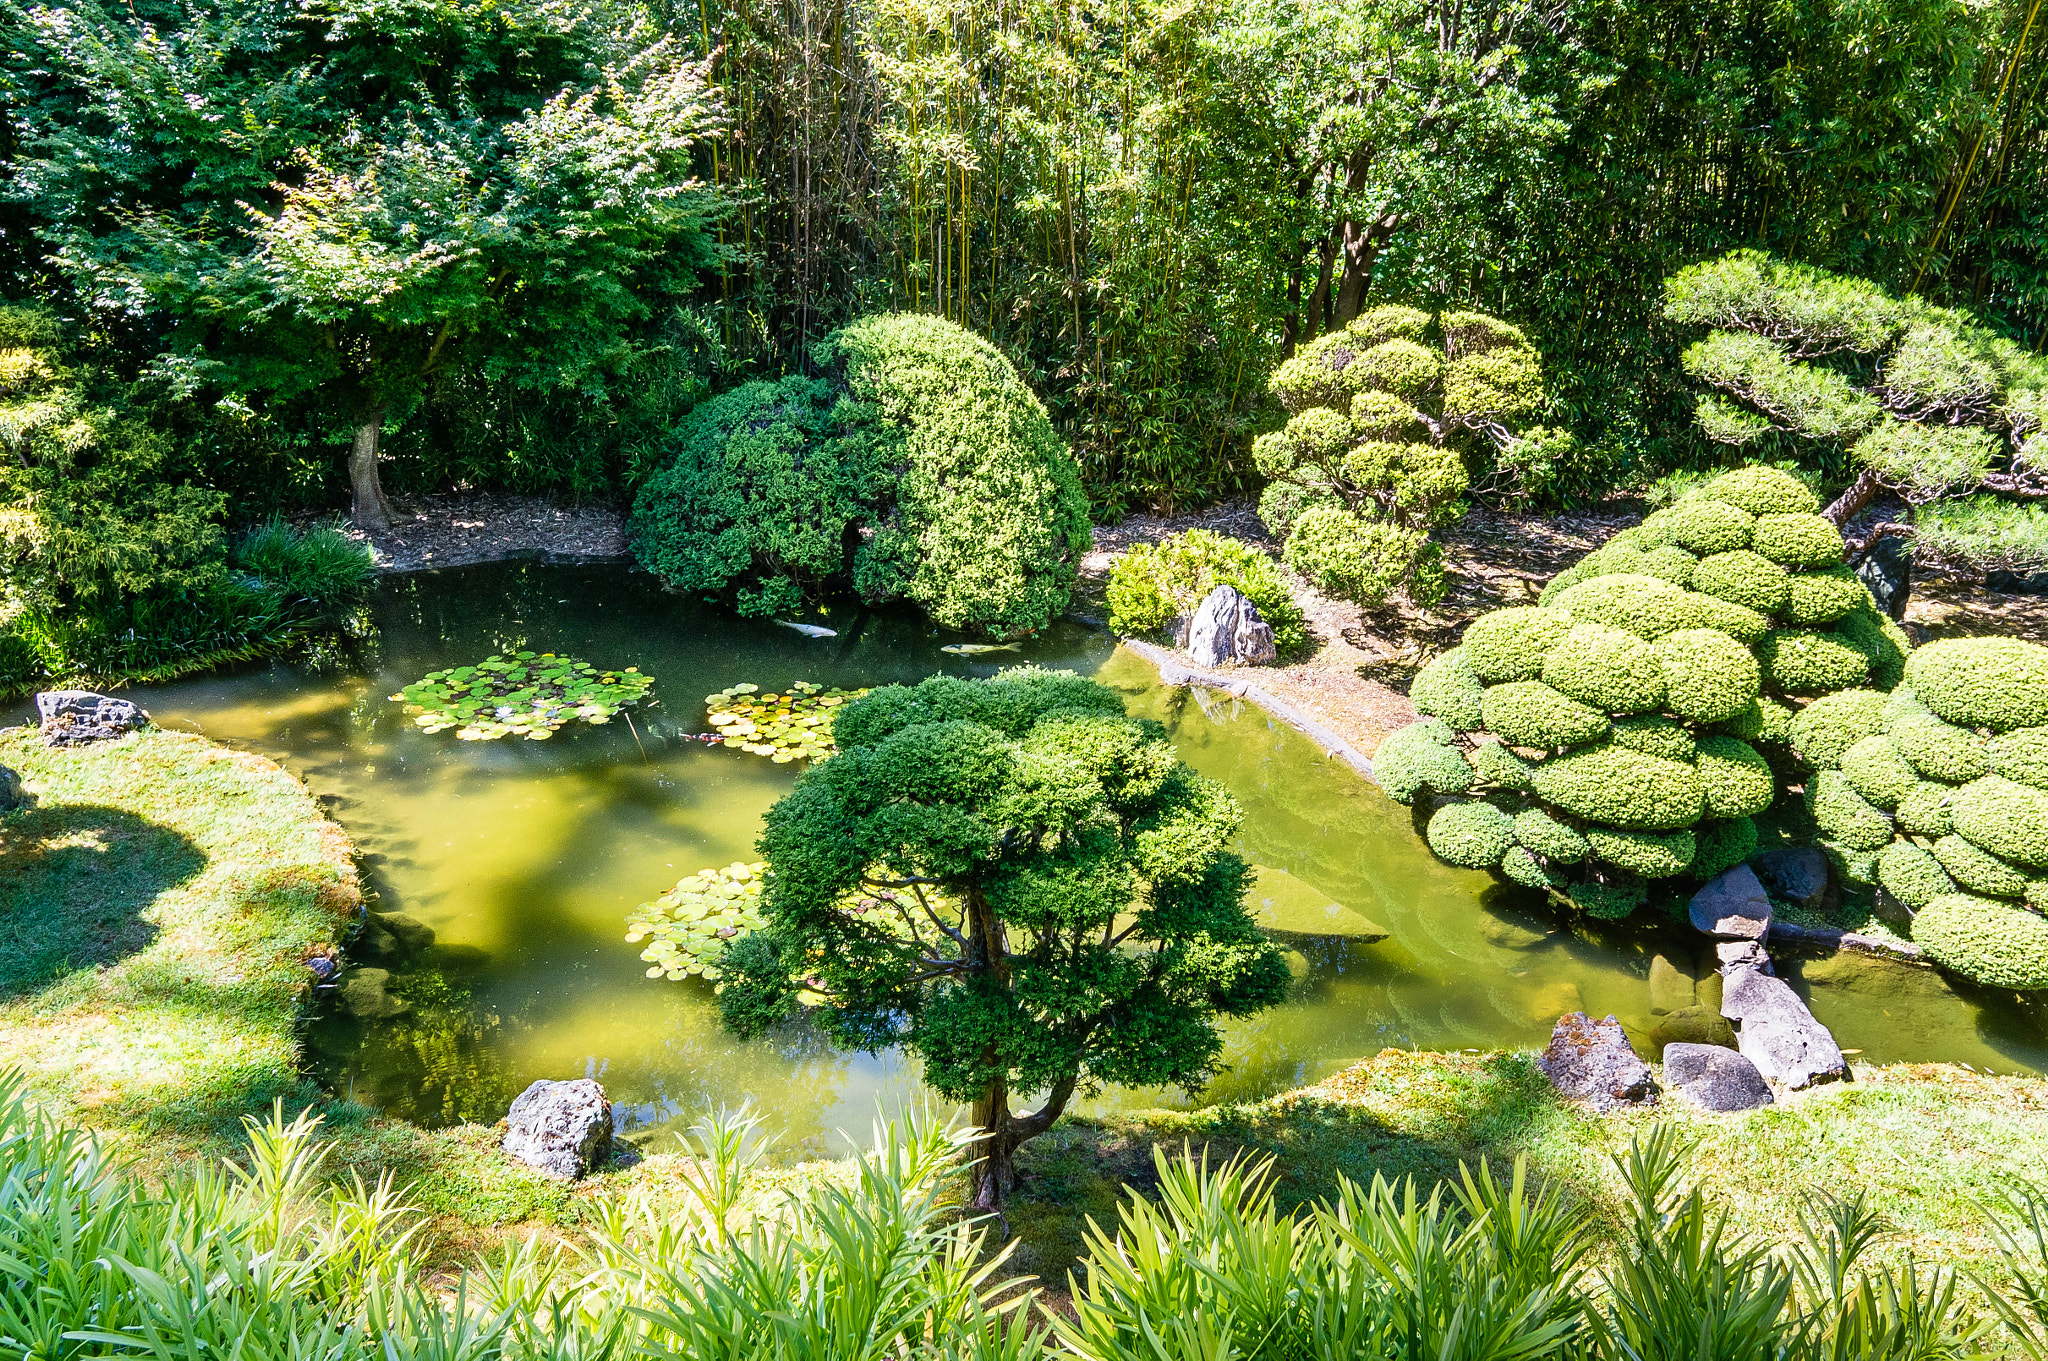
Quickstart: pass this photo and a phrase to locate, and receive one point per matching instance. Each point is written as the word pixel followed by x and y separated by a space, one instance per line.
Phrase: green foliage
pixel 1938 750
pixel 1532 714
pixel 1745 578
pixel 1511 644
pixel 795 724
pixel 524 695
pixel 1475 835
pixel 1912 875
pixel 1995 683
pixel 1995 811
pixel 768 483
pixel 922 468
pixel 2021 755
pixel 1622 788
pixel 1760 489
pixel 1418 757
pixel 1823 597
pixel 1845 816
pixel 1995 943
pixel 1024 815
pixel 1723 845
pixel 1542 833
pixel 1809 662
pixel 1736 781
pixel 1928 809
pixel 1702 524
pixel 1876 769
pixel 1496 763
pixel 1385 417
pixel 1607 668
pixel 1709 677
pixel 990 495
pixel 1150 585
pixel 692 922
pixel 1929 400
pixel 1448 688
pixel 1985 532
pixel 1649 855
pixel 1978 870
pixel 1828 727
pixel 1656 735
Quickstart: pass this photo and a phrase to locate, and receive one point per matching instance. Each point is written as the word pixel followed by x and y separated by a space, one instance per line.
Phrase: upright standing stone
pixel 1226 627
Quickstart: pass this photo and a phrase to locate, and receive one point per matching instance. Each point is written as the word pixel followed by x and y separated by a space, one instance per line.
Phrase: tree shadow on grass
pixel 75 883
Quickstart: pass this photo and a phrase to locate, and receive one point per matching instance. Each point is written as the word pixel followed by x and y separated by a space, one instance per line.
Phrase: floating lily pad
pixel 524 695
pixel 784 725
pixel 690 925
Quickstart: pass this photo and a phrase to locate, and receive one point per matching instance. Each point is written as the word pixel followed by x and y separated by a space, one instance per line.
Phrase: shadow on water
pixel 76 884
pixel 525 859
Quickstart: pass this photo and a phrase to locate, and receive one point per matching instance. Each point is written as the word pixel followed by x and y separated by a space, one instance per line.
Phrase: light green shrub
pixel 1656 735
pixel 1542 833
pixel 1627 789
pixel 1995 811
pixel 1912 875
pixel 1798 540
pixel 1609 900
pixel 1708 676
pixel 1703 524
pixel 1495 763
pixel 1363 560
pixel 1610 669
pixel 1418 757
pixel 1815 598
pixel 1884 644
pixel 1995 683
pixel 1978 870
pixel 1650 855
pixel 1722 846
pixel 1649 607
pixel 1511 644
pixel 1928 809
pixel 1828 727
pixel 1853 865
pixel 1449 689
pixel 1992 942
pixel 1151 585
pixel 1938 750
pixel 1735 780
pixel 1519 865
pixel 1744 578
pixel 1763 720
pixel 1876 770
pixel 1670 562
pixel 1532 714
pixel 2022 756
pixel 1762 490
pixel 1844 815
pixel 1805 662
pixel 1473 835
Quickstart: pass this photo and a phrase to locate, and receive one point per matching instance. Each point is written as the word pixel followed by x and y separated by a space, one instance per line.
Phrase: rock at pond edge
pixel 1798 874
pixel 1593 1062
pixel 560 1129
pixel 365 993
pixel 1715 1078
pixel 1227 627
pixel 72 718
pixel 1776 1032
pixel 1733 906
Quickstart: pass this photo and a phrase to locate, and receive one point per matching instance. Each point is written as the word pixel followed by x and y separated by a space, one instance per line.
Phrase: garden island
pixel 998 680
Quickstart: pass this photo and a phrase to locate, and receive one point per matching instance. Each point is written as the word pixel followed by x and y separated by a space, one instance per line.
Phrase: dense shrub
pixel 1993 942
pixel 1387 418
pixel 918 467
pixel 1627 724
pixel 1151 585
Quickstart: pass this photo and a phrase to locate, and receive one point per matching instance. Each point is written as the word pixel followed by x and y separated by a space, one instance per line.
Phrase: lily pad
pixel 785 726
pixel 524 695
pixel 691 924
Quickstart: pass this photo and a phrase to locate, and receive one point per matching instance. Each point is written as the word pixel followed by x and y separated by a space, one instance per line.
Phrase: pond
pixel 526 857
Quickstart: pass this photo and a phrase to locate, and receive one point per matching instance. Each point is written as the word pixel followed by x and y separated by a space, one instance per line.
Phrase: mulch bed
pixel 457 529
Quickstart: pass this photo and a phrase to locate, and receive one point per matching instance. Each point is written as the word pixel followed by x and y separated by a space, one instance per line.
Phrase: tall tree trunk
pixel 369 509
pixel 995 1153
pixel 1860 494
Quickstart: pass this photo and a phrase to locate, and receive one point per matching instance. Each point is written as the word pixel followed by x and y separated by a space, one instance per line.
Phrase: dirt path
pixel 456 530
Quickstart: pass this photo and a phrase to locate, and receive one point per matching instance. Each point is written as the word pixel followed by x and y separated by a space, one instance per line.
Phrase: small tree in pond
pixel 1017 882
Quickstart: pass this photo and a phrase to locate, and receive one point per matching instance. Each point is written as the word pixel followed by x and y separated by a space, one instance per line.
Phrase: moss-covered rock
pixel 1993 942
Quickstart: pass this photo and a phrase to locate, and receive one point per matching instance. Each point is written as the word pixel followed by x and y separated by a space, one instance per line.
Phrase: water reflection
pixel 525 857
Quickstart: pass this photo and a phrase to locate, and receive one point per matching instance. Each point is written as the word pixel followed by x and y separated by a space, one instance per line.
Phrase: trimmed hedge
pixel 1418 757
pixel 1876 770
pixel 1532 714
pixel 1622 788
pixel 1995 683
pixel 1474 835
pixel 1993 942
pixel 1762 491
pixel 1511 644
pixel 1448 688
pixel 1608 668
pixel 1912 875
pixel 1649 855
pixel 1735 780
pixel 1709 677
pixel 1802 540
pixel 2022 755
pixel 1995 811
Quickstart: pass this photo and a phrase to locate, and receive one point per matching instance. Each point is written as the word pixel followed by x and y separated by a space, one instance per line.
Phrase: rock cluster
pixel 72 718
pixel 1773 1028
pixel 1714 1078
pixel 562 1129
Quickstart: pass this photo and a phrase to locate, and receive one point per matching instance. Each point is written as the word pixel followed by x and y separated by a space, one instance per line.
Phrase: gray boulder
pixel 71 718
pixel 1714 1078
pixel 1887 569
pixel 1742 954
pixel 1798 874
pixel 562 1129
pixel 12 795
pixel 1733 906
pixel 1777 1033
pixel 1592 1061
pixel 1227 628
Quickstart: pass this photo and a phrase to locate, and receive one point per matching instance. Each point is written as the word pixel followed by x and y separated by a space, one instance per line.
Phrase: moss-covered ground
pixel 159 901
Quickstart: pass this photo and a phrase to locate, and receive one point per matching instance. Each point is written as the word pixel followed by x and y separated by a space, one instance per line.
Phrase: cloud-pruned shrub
pixel 1629 729
pixel 1939 792
pixel 1387 419
pixel 916 465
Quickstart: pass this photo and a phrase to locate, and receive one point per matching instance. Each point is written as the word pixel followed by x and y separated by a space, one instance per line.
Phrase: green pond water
pixel 525 858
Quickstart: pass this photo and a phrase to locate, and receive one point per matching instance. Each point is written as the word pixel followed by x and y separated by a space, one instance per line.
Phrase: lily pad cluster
pixel 691 924
pixel 794 724
pixel 530 695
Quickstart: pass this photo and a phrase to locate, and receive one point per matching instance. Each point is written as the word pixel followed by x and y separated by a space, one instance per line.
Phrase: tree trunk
pixel 369 509
pixel 995 1153
pixel 1860 494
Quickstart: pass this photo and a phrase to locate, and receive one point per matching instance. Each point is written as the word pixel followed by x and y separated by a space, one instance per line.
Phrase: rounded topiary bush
pixel 1627 722
pixel 1993 942
pixel 916 465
